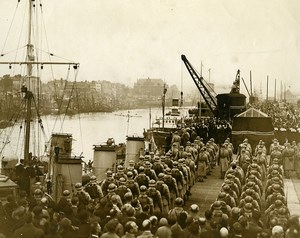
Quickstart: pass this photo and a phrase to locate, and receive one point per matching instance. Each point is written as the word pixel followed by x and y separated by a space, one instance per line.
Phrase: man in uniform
pixel 186 174
pixel 190 163
pixel 176 211
pixel 108 180
pixel 149 171
pixel 185 137
pixel 155 195
pixel 142 178
pixel 112 193
pixel 94 189
pixel 288 160
pixel 120 173
pixel 164 192
pixel 243 160
pixel 223 160
pixel 172 185
pixel 158 166
pixel 131 168
pixel 122 189
pixel 65 200
pixel 181 153
pixel 132 185
pixel 177 174
pixel 275 153
pixel 202 164
pixel 231 195
pixel 176 139
pixel 145 200
pixel 253 178
pixel 83 197
pixel 249 199
pixel 250 192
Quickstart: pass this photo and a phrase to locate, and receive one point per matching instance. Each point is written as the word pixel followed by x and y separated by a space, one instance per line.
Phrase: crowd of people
pixel 285 119
pixel 148 197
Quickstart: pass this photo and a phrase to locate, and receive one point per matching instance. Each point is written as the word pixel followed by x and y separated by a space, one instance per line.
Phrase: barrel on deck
pixel 105 157
pixel 134 148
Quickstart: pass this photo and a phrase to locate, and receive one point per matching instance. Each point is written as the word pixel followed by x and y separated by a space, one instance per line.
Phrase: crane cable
pixel 181 93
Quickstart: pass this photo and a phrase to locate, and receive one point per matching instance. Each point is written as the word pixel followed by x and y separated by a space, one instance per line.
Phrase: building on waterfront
pixel 149 91
pixel 150 88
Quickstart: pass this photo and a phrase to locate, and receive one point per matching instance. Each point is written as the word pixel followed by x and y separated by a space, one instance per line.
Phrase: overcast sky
pixel 123 40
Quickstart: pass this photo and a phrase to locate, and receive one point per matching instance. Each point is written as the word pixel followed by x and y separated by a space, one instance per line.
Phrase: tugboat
pixel 162 129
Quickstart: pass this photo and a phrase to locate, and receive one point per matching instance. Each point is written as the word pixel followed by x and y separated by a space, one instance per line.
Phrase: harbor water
pixel 87 130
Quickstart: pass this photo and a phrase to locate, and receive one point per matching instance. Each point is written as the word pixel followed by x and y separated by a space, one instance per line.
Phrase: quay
pixel 205 193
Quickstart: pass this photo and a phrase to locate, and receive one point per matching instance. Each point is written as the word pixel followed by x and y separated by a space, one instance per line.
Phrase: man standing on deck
pixel 165 193
pixel 185 137
pixel 23 176
pixel 262 162
pixel 223 160
pixel 172 184
pixel 202 163
pixel 297 160
pixel 275 153
pixel 288 160
pixel 176 139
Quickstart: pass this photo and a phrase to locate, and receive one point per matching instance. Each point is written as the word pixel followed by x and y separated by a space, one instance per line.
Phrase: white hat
pixel 223 232
pixel 277 230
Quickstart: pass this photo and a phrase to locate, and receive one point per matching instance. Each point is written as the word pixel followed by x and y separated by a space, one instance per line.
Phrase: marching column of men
pixel 157 185
pixel 147 198
pixel 244 205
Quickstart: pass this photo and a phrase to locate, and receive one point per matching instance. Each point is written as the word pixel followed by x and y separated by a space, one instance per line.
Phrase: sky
pixel 124 40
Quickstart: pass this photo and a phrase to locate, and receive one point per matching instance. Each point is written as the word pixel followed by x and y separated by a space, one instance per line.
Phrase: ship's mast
pixel 28 86
pixel 163 106
pixel 28 94
pixel 30 48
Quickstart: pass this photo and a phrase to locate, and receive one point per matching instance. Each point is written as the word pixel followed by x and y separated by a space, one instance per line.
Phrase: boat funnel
pixel 134 149
pixel 66 171
pixel 105 157
pixel 175 102
pixel 61 145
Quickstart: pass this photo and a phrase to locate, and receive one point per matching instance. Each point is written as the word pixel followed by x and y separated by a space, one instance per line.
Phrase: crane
pixel 206 91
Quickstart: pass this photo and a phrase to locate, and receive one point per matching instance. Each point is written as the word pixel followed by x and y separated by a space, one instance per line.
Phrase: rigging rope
pixel 21 127
pixel 10 27
pixel 40 124
pixel 19 40
pixel 71 93
pixel 10 129
pixel 47 42
pixel 8 52
pixel 61 99
pixel 53 55
pixel 79 119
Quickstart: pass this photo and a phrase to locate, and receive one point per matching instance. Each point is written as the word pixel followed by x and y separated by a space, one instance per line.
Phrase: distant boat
pixel 164 126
